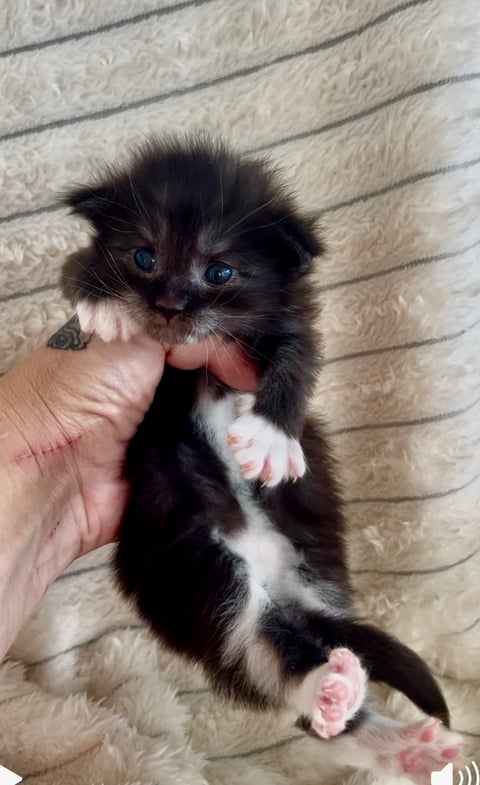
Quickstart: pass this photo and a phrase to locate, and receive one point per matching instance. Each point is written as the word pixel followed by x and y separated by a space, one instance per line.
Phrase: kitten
pixel 230 560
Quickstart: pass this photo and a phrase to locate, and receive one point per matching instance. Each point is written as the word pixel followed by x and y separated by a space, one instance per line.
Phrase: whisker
pixel 248 215
pixel 110 259
pixel 220 364
pixel 221 194
pixel 206 363
pixel 233 297
pixel 105 288
pixel 245 347
pixel 215 300
pixel 235 365
pixel 131 227
pixel 113 203
pixel 263 226
pixel 95 295
pixel 137 198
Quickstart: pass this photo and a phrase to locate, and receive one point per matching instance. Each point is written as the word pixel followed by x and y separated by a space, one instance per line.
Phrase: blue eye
pixel 218 273
pixel 144 258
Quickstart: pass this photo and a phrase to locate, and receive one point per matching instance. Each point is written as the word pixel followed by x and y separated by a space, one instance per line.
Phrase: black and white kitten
pixel 231 561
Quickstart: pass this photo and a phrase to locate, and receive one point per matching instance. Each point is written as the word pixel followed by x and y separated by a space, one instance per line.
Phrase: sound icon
pixel 445 776
pixel 8 777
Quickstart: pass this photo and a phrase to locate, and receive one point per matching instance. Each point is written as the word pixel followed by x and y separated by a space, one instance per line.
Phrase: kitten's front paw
pixel 263 451
pixel 108 319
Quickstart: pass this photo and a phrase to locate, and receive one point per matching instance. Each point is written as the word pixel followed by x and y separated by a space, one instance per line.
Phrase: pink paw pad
pixel 427 746
pixel 340 693
pixel 234 439
pixel 263 451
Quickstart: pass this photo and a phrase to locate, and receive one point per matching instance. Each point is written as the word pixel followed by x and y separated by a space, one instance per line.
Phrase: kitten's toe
pixel 296 460
pixel 107 319
pixel 415 751
pixel 333 693
pixel 427 746
pixel 263 451
pixel 244 402
pixel 251 465
pixel 340 692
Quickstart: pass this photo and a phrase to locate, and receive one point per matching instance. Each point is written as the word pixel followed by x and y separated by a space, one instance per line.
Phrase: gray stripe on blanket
pixel 64 762
pixel 83 570
pixel 83 644
pixel 425 571
pixel 132 20
pixel 258 750
pixel 361 198
pixel 419 90
pixel 416 498
pixel 411 180
pixel 441 257
pixel 240 72
pixel 433 418
pixel 403 346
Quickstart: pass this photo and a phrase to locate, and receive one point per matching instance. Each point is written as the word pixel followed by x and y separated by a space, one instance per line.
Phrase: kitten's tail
pixel 391 662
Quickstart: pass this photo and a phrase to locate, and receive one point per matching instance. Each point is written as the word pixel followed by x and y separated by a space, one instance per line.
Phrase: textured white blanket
pixel 373 109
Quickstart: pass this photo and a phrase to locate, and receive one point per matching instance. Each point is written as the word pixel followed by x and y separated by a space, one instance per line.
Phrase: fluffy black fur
pixel 195 204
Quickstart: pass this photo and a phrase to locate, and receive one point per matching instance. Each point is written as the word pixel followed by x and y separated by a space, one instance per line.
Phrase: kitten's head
pixel 188 240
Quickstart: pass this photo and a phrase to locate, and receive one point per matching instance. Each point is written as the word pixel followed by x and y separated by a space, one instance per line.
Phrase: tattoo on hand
pixel 70 336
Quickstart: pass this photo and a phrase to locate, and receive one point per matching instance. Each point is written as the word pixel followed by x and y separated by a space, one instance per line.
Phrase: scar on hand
pixel 60 445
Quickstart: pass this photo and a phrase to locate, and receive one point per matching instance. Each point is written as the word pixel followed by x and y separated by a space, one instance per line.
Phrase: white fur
pixel 153 728
pixel 263 451
pixel 261 663
pixel 385 746
pixel 108 319
pixel 269 555
pixel 270 558
pixel 343 672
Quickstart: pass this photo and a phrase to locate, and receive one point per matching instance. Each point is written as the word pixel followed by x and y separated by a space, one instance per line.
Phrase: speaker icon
pixel 8 777
pixel 445 776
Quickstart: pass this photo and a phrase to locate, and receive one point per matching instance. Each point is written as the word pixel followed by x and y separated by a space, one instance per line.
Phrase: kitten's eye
pixel 218 273
pixel 144 258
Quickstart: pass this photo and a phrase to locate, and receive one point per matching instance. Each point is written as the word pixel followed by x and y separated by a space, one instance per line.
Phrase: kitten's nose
pixel 170 306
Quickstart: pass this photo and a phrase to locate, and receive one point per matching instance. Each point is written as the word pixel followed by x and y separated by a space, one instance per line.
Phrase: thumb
pixel 225 360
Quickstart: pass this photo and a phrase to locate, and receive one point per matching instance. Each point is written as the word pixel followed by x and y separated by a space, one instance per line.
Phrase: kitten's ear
pixel 300 235
pixel 88 202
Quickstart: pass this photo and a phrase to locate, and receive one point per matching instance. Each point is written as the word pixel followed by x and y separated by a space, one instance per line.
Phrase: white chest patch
pixel 270 557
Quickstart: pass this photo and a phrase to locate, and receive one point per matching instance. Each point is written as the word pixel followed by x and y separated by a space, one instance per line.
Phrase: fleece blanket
pixel 372 109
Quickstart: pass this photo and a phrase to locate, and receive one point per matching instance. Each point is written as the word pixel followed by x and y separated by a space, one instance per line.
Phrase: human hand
pixel 67 415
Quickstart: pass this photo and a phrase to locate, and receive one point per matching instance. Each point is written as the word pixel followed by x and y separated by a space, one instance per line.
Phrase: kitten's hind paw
pixel 414 750
pixel 263 451
pixel 339 689
pixel 427 746
pixel 387 747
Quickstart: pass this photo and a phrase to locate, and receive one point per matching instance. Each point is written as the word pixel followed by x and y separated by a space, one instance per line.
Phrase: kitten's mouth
pixel 130 316
pixel 177 329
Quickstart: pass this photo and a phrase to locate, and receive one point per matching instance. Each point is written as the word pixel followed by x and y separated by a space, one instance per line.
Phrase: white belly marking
pixel 270 556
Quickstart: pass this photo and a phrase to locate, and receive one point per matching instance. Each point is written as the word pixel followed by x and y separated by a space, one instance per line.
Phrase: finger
pixel 225 360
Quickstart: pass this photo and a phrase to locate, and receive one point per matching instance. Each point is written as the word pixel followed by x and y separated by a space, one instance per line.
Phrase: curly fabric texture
pixel 372 109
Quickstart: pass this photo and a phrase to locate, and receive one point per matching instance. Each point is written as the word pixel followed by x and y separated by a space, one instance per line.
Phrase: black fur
pixel 193 204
